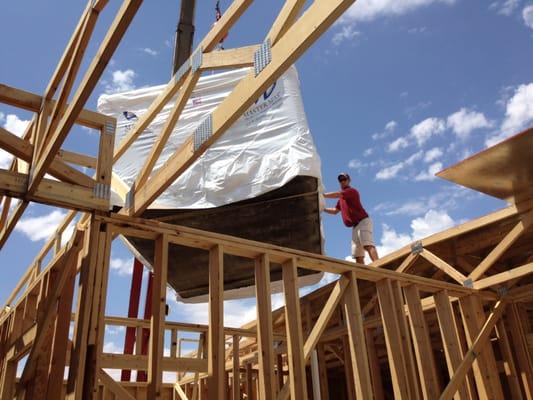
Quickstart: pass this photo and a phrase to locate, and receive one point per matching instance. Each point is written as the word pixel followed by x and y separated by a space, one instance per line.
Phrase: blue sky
pixel 394 91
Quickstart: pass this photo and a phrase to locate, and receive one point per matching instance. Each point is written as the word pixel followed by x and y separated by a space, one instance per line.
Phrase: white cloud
pixel 527 14
pixel 347 32
pixel 398 144
pixel 150 51
pixel 415 30
pixel 518 114
pixel 122 81
pixel 368 152
pixel 372 9
pixel 392 170
pixel 424 130
pixel 432 222
pixel 390 127
pixel 421 227
pixel 414 157
pixel 42 227
pixel 16 126
pixel 429 175
pixel 464 121
pixel 505 7
pixel 389 172
pixel 448 198
pixel 432 154
pixel 355 164
pixel 121 266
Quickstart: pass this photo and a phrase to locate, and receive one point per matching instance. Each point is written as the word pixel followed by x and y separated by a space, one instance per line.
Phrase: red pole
pixel 141 375
pixel 133 312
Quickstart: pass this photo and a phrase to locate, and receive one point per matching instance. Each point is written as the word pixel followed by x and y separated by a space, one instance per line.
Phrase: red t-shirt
pixel 350 207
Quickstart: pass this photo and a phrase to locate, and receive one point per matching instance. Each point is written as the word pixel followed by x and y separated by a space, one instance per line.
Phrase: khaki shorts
pixel 362 235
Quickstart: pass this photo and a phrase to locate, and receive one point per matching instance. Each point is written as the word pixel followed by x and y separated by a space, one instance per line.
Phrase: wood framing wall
pixel 427 339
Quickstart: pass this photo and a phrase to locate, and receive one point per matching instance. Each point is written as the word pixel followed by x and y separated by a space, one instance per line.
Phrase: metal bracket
pixel 468 283
pixel 203 132
pixel 502 290
pixel 128 201
pixel 102 191
pixel 109 127
pixel 196 60
pixel 182 70
pixel 417 247
pixel 262 56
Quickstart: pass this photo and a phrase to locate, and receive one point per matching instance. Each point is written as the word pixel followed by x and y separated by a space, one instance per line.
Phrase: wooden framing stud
pixel 216 368
pixel 265 338
pixel 159 297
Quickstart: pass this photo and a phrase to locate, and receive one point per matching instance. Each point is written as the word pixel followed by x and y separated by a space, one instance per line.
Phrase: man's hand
pixel 331 210
pixel 332 195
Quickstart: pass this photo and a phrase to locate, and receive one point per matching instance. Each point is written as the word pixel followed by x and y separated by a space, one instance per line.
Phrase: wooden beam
pixel 318 17
pixel 395 353
pixel 140 362
pixel 521 350
pixel 76 158
pixel 23 149
pixel 13 184
pixel 408 262
pixel 229 58
pixel 32 102
pixel 479 344
pixel 236 384
pixel 250 249
pixel 118 391
pixel 265 339
pixel 508 360
pixel 12 222
pixel 74 63
pixel 443 266
pixel 422 344
pixel 115 33
pixel 504 277
pixel 285 19
pixel 470 226
pixel 322 372
pixel 217 32
pixel 47 317
pixel 216 337
pixel 505 243
pixel 450 339
pixel 356 336
pixel 485 370
pixel 159 297
pixel 293 321
pixel 86 283
pixel 323 319
pixel 168 127
pixel 375 367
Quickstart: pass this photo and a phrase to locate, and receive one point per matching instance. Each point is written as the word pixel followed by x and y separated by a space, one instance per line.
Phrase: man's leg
pixel 358 251
pixel 372 252
pixel 366 234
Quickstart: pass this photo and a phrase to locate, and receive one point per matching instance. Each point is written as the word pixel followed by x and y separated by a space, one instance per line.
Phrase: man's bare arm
pixel 332 195
pixel 331 210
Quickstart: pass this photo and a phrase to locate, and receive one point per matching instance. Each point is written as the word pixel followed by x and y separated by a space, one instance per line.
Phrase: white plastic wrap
pixel 267 147
pixel 263 150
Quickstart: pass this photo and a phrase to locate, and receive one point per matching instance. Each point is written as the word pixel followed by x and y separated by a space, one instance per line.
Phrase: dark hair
pixel 342 176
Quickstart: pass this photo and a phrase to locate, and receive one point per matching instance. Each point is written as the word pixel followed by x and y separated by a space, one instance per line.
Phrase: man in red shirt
pixel 354 216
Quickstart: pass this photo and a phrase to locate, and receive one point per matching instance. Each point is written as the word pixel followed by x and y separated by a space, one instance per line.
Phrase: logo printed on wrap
pixel 271 97
pixel 129 122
